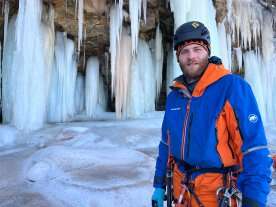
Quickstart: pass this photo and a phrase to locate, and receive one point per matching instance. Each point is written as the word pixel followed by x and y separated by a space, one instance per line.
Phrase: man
pixel 212 132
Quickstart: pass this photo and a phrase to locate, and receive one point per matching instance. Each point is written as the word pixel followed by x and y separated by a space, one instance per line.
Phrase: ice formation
pixel 142 86
pixel 61 98
pixel 116 21
pixel 251 28
pixel 25 74
pixel 6 19
pixel 123 63
pixel 159 55
pixel 79 93
pixel 94 93
pixel 80 22
pixel 135 16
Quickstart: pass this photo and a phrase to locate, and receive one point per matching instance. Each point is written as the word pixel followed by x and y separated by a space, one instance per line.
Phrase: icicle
pixel 91 86
pixel 123 62
pixel 145 10
pixel 135 15
pixel 48 30
pixel 95 99
pixel 6 19
pixel 8 72
pixel 80 23
pixel 25 73
pixel 267 37
pixel 238 52
pixel 79 93
pixel 158 60
pixel 224 44
pixel 116 21
pixel 61 100
pixel 141 99
pixel 84 48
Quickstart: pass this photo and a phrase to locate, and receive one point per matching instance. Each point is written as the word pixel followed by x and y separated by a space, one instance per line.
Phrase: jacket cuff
pixel 159 182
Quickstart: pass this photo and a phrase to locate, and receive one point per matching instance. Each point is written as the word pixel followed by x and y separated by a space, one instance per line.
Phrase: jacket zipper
pixel 189 135
pixel 184 130
pixel 232 151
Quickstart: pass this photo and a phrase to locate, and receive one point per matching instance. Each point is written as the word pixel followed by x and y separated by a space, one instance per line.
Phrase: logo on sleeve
pixel 253 118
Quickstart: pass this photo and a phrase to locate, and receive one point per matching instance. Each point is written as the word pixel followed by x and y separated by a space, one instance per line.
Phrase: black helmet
pixel 191 31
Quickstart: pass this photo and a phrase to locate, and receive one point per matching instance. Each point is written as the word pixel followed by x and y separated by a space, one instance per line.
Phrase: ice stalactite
pixel 6 19
pixel 122 73
pixel 170 70
pixel 8 72
pixel 142 84
pixel 246 21
pixel 225 43
pixel 159 53
pixel 48 30
pixel 24 72
pixel 238 53
pixel 80 23
pixel 145 10
pixel 251 29
pixel 61 98
pixel 95 95
pixel 135 16
pixel 79 93
pixel 116 21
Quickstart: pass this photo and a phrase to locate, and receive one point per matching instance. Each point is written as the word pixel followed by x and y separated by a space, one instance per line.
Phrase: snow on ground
pixel 83 164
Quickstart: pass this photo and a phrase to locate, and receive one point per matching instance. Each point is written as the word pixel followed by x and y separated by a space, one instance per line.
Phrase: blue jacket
pixel 218 125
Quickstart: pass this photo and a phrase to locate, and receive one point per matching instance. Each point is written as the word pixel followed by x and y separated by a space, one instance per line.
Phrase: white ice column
pixel 95 98
pixel 79 93
pixel 122 74
pixel 25 75
pixel 61 98
pixel 159 53
pixel 142 85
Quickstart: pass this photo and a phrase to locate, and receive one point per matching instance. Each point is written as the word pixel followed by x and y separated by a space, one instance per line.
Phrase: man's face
pixel 193 60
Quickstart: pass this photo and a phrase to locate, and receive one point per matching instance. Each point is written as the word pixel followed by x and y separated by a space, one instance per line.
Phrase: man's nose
pixel 191 54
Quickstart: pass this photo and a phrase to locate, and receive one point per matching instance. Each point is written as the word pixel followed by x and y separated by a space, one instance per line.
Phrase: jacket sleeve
pixel 161 162
pixel 256 174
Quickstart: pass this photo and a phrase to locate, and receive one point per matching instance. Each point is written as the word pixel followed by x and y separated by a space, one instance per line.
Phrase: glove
pixel 158 196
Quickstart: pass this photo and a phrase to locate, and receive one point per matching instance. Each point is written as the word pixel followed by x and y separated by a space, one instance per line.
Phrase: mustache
pixel 192 62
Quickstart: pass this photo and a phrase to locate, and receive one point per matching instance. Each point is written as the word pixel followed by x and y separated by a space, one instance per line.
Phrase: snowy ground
pixel 84 164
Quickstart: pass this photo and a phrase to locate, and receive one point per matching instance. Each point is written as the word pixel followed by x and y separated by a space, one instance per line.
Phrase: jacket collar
pixel 212 73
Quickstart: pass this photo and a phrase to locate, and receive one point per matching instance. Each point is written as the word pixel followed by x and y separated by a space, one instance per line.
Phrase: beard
pixel 193 69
